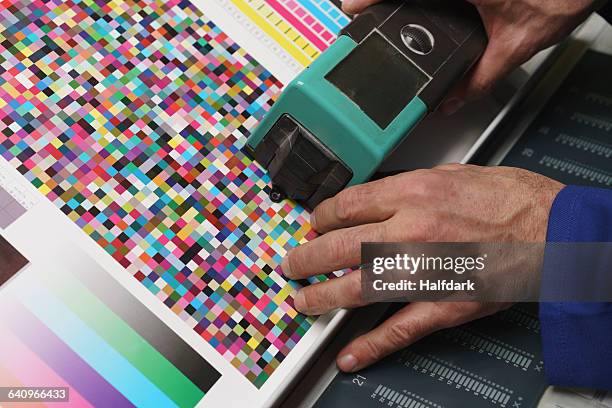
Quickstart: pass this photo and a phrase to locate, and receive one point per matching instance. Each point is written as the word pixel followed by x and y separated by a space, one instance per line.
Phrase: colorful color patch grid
pixel 130 117
pixel 303 28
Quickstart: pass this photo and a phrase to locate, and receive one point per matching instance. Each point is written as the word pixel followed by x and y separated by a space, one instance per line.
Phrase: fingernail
pixel 300 302
pixel 285 268
pixel 347 363
pixel 451 106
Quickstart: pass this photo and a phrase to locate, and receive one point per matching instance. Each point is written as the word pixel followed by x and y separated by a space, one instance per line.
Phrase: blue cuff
pixel 581 214
pixel 577 345
pixel 577 337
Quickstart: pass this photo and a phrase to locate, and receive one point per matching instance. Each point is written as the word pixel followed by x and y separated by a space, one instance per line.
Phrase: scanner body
pixel 334 124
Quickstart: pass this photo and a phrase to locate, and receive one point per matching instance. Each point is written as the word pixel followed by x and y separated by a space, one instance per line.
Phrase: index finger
pixel 361 204
pixel 330 252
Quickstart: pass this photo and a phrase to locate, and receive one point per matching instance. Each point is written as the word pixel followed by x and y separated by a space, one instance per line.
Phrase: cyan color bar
pixel 97 353
pixel 319 14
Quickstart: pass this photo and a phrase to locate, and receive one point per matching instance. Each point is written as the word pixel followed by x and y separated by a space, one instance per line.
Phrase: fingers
pixel 408 325
pixel 388 210
pixel 497 61
pixel 323 297
pixel 379 200
pixel 362 204
pixel 356 6
pixel 331 252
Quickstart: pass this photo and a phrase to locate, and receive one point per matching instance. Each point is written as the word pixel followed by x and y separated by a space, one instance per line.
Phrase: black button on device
pixel 300 166
pixel 417 38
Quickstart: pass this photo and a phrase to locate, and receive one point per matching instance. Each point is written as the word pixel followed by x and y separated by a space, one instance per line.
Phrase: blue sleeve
pixel 577 337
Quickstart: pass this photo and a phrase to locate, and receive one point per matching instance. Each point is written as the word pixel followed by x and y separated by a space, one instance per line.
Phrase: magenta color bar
pixel 33 372
pixel 297 24
pixel 64 360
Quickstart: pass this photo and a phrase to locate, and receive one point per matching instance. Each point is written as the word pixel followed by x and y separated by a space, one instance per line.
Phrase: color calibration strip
pixel 62 333
pixel 303 28
pixel 130 116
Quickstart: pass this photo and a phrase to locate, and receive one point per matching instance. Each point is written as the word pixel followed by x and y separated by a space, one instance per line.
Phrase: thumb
pixel 499 59
pixel 406 326
pixel 357 6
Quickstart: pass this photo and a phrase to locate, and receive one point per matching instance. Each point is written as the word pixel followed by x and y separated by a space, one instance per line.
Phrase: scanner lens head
pixel 418 39
pixel 300 166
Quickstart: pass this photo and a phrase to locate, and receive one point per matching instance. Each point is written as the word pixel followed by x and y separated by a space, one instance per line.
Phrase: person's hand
pixel 517 30
pixel 450 203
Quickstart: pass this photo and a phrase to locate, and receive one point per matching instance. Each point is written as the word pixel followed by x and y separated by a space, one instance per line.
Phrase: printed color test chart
pixel 130 117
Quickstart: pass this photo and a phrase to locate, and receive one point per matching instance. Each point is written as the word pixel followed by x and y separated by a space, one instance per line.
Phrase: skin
pixel 450 203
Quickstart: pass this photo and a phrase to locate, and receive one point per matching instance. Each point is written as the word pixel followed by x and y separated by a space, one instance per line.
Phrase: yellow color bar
pixel 276 27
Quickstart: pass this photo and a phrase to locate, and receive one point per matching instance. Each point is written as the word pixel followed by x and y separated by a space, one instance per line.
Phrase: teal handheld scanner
pixel 333 125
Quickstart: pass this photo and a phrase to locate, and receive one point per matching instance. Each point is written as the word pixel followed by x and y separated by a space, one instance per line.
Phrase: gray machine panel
pixel 571 139
pixel 492 362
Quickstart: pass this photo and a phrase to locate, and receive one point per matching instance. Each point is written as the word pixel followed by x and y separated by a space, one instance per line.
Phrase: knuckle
pixel 297 259
pixel 317 215
pixel 398 334
pixel 417 176
pixel 346 203
pixel 419 231
pixel 386 184
pixel 429 183
pixel 371 348
pixel 403 332
pixel 339 247
pixel 450 166
pixel 420 188
pixel 395 230
pixel 307 299
pixel 379 233
pixel 354 288
pixel 317 299
pixel 480 86
pixel 437 179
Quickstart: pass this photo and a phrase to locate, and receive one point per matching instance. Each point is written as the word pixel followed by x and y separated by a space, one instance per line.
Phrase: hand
pixel 517 30
pixel 450 203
